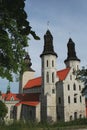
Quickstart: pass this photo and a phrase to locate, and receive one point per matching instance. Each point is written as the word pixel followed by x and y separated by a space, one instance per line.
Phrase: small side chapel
pixel 53 96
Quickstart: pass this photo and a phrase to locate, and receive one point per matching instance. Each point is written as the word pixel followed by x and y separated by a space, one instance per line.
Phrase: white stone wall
pixel 73 64
pixel 9 104
pixel 27 75
pixel 48 97
pixel 71 107
pixel 38 112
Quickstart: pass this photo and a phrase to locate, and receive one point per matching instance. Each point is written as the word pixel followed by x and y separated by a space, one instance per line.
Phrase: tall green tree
pixel 14 31
pixel 82 76
pixel 3 110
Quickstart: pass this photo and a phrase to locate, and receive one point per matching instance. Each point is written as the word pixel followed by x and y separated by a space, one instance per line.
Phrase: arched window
pixel 52 63
pixel 79 87
pixel 47 77
pixel 70 118
pixel 47 63
pixel 74 86
pixel 52 77
pixel 68 99
pixel 68 87
pixel 75 115
pixel 80 99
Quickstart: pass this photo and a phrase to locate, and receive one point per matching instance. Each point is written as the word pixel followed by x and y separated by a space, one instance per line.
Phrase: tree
pixel 14 31
pixel 82 76
pixel 3 111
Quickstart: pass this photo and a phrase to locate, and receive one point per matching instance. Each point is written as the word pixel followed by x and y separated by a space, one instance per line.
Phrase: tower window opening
pixel 59 100
pixel 74 87
pixel 80 99
pixel 75 100
pixel 80 87
pixel 53 77
pixel 52 63
pixel 53 90
pixel 68 87
pixel 68 99
pixel 47 77
pixel 47 63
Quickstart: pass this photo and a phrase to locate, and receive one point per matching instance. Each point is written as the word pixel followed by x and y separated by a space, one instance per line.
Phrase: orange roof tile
pixel 62 74
pixel 7 97
pixel 33 83
pixel 38 81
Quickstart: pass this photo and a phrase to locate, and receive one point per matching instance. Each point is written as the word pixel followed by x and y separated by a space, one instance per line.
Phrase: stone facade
pixel 55 95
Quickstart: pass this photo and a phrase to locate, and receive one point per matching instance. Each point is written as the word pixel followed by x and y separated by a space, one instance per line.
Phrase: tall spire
pixel 28 63
pixel 48 44
pixel 8 88
pixel 71 55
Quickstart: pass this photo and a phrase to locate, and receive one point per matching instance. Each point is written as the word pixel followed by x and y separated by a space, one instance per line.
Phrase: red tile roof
pixel 62 74
pixel 7 97
pixel 33 83
pixel 31 99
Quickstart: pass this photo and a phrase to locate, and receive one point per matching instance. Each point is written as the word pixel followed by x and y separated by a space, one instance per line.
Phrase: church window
pixel 47 77
pixel 53 90
pixel 70 77
pixel 70 118
pixel 47 63
pixel 75 115
pixel 52 63
pixel 80 116
pixel 75 100
pixel 74 86
pixel 59 100
pixel 80 99
pixel 53 77
pixel 68 87
pixel 68 99
pixel 80 87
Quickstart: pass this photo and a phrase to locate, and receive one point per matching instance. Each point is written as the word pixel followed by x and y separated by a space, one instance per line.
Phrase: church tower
pixel 48 93
pixel 27 74
pixel 72 60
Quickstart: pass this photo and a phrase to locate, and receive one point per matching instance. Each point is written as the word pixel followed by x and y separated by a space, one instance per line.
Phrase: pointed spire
pixel 28 63
pixel 8 88
pixel 48 44
pixel 71 55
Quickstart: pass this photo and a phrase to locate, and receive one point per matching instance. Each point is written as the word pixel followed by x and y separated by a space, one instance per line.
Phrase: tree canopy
pixel 82 76
pixel 3 110
pixel 14 31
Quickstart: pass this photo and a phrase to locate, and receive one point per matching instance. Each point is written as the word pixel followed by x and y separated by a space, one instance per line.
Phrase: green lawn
pixel 82 123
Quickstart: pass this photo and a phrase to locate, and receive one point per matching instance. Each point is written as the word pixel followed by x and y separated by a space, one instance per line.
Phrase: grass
pixel 81 123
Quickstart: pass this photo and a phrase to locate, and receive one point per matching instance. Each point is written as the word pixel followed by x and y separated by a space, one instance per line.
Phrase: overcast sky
pixel 67 18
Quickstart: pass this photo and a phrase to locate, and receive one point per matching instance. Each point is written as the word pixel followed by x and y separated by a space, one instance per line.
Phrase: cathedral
pixel 53 96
